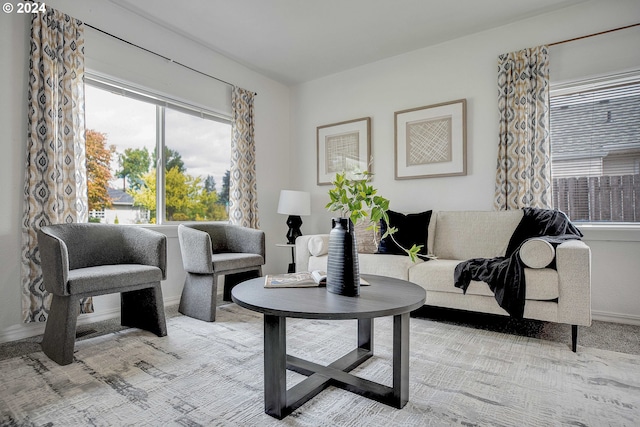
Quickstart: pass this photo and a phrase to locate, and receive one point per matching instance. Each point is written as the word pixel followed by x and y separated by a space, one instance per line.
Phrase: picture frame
pixel 343 147
pixel 431 141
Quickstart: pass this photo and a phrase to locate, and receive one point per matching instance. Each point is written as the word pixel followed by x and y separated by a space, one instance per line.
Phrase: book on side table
pixel 302 279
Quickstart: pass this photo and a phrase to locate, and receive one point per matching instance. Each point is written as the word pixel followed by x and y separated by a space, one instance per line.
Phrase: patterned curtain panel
pixel 55 188
pixel 243 191
pixel 523 176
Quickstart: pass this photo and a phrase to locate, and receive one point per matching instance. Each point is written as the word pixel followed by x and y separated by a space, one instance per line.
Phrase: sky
pixel 205 145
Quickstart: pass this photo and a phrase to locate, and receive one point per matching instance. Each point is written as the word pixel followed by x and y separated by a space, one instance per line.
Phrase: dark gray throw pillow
pixel 412 229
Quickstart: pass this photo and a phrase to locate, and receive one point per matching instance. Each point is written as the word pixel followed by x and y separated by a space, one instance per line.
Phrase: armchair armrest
pixel 147 247
pixel 246 240
pixel 573 263
pixel 196 250
pixel 54 260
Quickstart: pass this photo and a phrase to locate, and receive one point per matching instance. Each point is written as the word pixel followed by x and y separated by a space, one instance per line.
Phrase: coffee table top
pixel 385 296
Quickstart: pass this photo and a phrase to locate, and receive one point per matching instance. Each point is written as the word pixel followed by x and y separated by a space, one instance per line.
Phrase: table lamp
pixel 294 204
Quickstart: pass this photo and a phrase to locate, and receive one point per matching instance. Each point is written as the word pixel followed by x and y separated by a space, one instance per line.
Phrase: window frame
pixel 162 102
pixel 604 230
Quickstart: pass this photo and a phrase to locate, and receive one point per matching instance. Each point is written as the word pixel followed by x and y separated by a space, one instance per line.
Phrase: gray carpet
pixel 603 335
pixel 211 374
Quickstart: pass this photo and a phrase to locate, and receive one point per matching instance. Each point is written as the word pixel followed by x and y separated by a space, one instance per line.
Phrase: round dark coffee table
pixel 384 296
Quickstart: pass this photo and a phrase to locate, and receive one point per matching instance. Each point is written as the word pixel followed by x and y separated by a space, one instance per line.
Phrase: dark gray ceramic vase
pixel 343 273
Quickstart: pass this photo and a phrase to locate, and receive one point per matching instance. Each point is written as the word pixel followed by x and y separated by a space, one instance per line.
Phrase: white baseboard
pixel 604 316
pixel 27 330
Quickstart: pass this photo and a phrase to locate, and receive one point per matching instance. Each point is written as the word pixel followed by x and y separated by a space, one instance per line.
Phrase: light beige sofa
pixel 561 295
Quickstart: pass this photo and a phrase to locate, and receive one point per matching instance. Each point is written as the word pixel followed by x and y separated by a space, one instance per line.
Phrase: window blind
pixel 595 151
pixel 139 94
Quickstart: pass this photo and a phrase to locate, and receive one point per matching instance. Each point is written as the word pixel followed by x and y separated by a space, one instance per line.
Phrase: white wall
pixel 107 56
pixel 14 42
pixel 466 68
pixel 463 68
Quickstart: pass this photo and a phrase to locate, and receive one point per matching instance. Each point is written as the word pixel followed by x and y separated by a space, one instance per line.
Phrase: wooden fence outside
pixel 599 198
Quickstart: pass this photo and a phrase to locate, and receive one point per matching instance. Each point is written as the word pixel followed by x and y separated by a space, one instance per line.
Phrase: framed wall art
pixel 431 141
pixel 343 147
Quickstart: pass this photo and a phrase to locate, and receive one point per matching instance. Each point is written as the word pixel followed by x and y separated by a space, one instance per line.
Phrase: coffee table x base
pixel 280 402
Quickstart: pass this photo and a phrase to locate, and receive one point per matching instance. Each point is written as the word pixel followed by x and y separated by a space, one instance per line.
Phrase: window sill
pixel 610 232
pixel 170 229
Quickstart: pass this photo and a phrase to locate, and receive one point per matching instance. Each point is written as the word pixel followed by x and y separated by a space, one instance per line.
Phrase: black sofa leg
pixel 574 337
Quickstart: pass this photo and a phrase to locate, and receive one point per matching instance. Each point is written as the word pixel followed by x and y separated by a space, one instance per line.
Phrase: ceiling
pixel 294 41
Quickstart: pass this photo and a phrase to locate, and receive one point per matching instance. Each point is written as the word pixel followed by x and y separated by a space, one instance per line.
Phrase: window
pixel 595 150
pixel 126 129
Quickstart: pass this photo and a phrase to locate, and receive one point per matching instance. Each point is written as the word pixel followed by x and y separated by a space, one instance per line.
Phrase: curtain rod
pixel 161 56
pixel 594 34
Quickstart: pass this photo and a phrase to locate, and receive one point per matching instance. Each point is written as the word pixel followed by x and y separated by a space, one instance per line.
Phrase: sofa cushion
pixel 396 266
pixel 437 276
pixel 411 229
pixel 537 253
pixel 467 234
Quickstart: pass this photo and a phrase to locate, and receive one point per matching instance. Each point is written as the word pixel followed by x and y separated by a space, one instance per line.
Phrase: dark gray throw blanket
pixel 505 275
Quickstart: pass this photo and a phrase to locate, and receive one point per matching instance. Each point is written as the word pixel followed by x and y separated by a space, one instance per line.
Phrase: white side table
pixel 292 266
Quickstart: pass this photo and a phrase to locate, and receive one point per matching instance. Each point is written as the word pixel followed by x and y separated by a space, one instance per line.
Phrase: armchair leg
pixel 574 337
pixel 198 298
pixel 144 309
pixel 59 337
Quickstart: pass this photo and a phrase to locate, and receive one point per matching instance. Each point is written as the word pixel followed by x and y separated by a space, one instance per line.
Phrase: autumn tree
pixel 98 157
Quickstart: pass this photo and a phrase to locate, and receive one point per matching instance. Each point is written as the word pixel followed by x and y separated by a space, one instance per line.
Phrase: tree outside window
pixel 122 148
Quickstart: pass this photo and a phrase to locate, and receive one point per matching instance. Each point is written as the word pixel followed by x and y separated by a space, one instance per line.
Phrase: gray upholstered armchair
pixel 83 260
pixel 213 249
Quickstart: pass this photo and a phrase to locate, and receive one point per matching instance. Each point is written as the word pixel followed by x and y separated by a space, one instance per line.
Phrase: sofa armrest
pixel 573 263
pixel 302 251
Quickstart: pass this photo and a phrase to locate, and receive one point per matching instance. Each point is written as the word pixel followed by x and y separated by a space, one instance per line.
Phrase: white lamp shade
pixel 294 203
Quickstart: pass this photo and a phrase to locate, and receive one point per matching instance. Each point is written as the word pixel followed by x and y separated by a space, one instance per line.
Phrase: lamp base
pixel 294 222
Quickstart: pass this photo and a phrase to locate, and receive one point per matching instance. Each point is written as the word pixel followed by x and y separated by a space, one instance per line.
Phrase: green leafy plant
pixel 354 197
